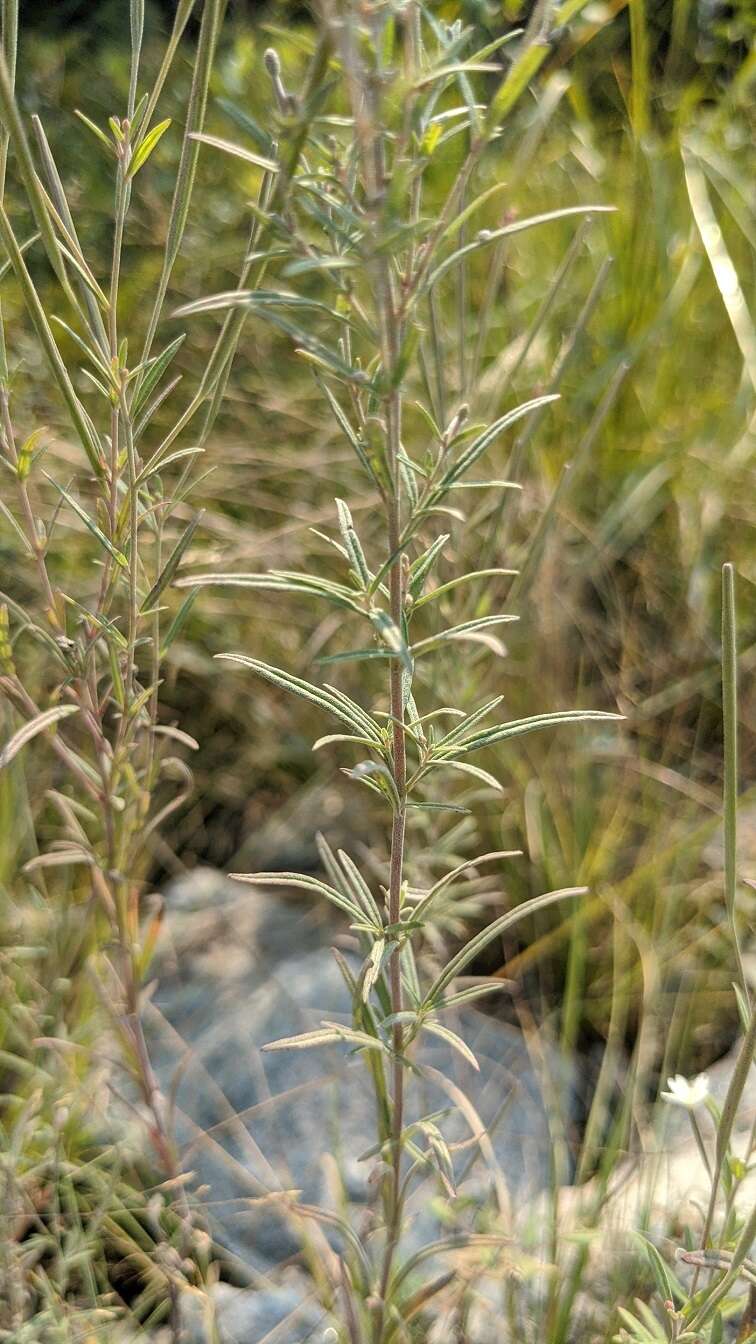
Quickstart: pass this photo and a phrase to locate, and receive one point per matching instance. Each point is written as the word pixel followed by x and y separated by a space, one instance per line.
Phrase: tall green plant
pixel 98 651
pixel 379 229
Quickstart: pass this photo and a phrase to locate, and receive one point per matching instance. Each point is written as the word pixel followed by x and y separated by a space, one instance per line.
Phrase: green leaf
pixel 518 727
pixel 172 563
pixel 279 581
pixel 349 433
pixel 355 656
pixel 153 372
pixel 247 124
pixel 373 966
pixel 463 578
pixel 146 146
pixel 91 526
pixel 96 132
pixel 421 567
pixel 29 730
pixel 422 908
pixel 29 452
pixel 516 82
pixel 487 236
pixel 237 151
pixel 352 544
pixel 470 995
pixel 340 737
pixel 177 624
pixel 452 1039
pixel 23 247
pixel 461 631
pixel 659 1269
pixel 359 887
pixel 479 445
pixel 476 945
pixel 305 883
pixel 376 775
pixel 467 722
pixel 465 768
pixel 108 627
pixel 361 1039
pixel 325 697
pixel 158 463
pixel 306 1041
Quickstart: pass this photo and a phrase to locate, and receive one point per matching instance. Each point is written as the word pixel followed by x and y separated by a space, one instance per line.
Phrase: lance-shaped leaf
pixel 153 372
pixel 460 632
pixel 376 776
pixel 357 884
pixel 465 768
pixel 474 993
pixel 194 118
pixel 330 738
pixel 172 563
pixel 435 593
pixel 96 132
pixel 279 580
pixel 518 727
pixel 421 909
pixel 29 730
pixel 262 300
pixel 483 441
pixel 421 567
pixel 61 206
pixel 146 146
pixel 487 236
pixel 325 697
pixel 352 544
pixel 237 151
pixel 178 622
pixel 158 463
pixel 329 1032
pixel 304 883
pixel 91 526
pixel 13 127
pixel 308 1040
pixel 373 965
pixel 481 940
pixel 350 434
pixel 452 1039
pixel 467 722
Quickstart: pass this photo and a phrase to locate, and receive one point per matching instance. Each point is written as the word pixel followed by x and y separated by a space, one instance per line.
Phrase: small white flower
pixel 683 1093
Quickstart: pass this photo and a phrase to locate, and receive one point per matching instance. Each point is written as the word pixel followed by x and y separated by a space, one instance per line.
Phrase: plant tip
pixel 272 62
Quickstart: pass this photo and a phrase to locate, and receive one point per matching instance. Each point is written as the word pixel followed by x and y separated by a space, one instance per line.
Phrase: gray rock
pixel 285 1313
pixel 239 968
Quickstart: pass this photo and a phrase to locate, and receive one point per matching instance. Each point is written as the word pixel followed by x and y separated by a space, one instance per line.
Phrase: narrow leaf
pixel 304 883
pixel 518 727
pixel 91 526
pixel 172 563
pixel 494 930
pixel 237 151
pixel 29 730
pixel 146 146
pixel 452 1039
pixel 335 703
